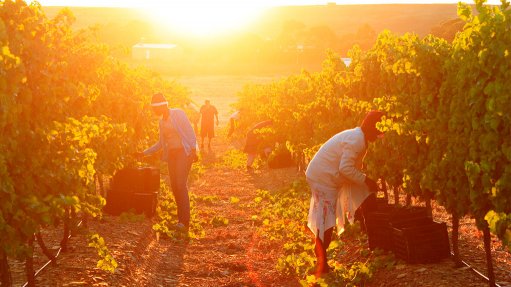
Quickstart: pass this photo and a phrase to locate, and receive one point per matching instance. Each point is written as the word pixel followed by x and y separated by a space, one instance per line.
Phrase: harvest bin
pixel 381 222
pixel 134 189
pixel 141 179
pixel 370 205
pixel 424 243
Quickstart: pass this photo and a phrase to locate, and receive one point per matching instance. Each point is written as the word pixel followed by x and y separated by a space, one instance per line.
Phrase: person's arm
pixel 262 124
pixel 216 115
pixel 347 165
pixel 156 147
pixel 231 127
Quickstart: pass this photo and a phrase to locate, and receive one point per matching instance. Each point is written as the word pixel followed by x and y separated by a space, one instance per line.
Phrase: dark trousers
pixel 179 167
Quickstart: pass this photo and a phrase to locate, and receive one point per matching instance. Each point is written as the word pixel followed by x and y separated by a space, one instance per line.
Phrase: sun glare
pixel 205 18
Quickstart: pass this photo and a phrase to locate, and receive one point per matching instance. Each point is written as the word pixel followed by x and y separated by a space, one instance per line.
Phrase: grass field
pixel 220 90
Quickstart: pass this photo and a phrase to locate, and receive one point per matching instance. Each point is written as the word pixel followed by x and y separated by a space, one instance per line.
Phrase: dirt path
pixel 228 255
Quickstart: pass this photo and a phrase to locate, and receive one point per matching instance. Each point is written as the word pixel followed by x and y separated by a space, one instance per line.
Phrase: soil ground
pixel 231 255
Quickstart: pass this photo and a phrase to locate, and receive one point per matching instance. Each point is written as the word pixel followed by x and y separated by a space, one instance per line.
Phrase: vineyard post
pixel 384 188
pixel 396 195
pixel 63 242
pixel 429 208
pixel 487 249
pixel 45 250
pixel 408 199
pixel 428 195
pixel 73 221
pixel 5 272
pixel 302 165
pixel 455 239
pixel 29 263
pixel 85 220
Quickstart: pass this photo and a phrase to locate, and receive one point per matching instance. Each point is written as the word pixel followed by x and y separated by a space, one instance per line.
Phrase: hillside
pixel 345 19
pixel 342 19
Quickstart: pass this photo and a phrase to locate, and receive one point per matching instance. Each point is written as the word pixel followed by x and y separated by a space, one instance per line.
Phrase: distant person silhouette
pixel 232 122
pixel 255 143
pixel 208 113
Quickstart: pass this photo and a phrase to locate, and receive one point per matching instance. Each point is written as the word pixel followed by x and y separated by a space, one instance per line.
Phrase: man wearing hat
pixel 337 183
pixel 179 144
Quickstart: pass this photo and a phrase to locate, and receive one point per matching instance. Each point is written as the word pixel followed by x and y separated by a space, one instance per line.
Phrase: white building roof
pixel 347 61
pixel 154 46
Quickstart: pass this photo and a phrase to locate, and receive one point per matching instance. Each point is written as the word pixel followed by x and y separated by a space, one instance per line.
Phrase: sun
pixel 205 18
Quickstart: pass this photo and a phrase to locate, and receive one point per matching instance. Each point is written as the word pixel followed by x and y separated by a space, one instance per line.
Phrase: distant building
pixel 346 61
pixel 300 47
pixel 151 51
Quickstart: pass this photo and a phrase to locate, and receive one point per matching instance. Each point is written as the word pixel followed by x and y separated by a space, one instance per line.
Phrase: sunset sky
pixel 209 17
pixel 267 3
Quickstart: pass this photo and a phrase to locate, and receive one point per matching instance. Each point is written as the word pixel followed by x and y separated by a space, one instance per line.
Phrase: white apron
pixel 330 207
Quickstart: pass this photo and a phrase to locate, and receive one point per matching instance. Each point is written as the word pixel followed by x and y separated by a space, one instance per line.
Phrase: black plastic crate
pixel 425 243
pixel 371 204
pixel 379 229
pixel 404 215
pixel 382 203
pixel 379 236
pixel 380 223
pixel 139 180
pixel 118 202
pixel 145 203
pixel 134 189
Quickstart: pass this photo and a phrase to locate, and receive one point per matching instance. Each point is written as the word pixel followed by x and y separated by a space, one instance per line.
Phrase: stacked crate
pixel 425 243
pixel 380 223
pixel 409 232
pixel 134 189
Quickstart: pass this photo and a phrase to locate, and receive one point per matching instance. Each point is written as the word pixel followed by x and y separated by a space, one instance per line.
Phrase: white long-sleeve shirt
pixel 177 119
pixel 339 160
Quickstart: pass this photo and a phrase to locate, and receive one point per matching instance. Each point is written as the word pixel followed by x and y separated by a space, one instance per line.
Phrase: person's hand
pixel 138 155
pixel 371 184
pixel 217 122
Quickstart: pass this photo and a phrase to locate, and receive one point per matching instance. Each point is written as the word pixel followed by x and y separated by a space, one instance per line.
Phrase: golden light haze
pixel 265 3
pixel 210 18
pixel 203 18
